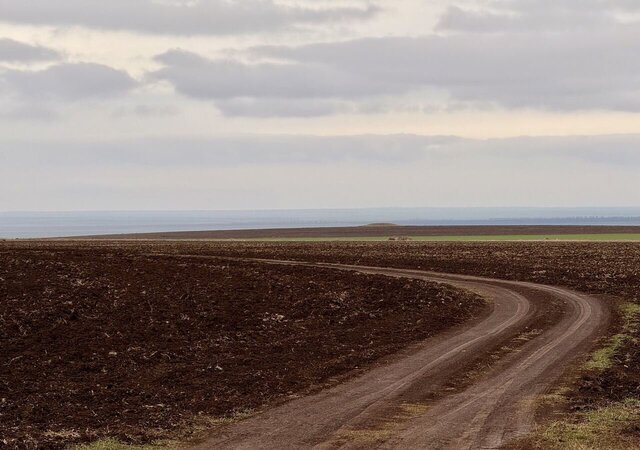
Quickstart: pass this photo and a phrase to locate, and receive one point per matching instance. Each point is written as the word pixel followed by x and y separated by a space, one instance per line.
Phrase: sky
pixel 259 104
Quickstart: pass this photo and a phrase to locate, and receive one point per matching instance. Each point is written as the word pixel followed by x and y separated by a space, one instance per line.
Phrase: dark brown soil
pixel 104 340
pixel 381 230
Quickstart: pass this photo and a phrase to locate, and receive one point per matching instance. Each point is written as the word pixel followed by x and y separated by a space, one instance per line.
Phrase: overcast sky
pixel 234 104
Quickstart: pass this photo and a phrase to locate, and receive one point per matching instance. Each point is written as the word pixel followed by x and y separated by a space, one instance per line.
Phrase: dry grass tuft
pixel 608 428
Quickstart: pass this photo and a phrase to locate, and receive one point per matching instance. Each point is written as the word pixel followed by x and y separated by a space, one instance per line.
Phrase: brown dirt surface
pixel 380 230
pixel 106 340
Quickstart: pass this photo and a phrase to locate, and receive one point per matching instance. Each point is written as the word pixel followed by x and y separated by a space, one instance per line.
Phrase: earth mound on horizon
pixel 380 224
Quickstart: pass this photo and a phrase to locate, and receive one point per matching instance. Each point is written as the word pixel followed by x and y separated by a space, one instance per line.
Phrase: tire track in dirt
pixel 385 407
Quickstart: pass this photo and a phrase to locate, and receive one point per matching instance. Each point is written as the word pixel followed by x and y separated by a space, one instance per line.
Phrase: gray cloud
pixel 198 77
pixel 205 17
pixel 68 82
pixel 525 16
pixel 550 69
pixel 543 71
pixel 559 55
pixel 14 51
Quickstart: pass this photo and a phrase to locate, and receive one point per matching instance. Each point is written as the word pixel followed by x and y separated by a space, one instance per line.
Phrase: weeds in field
pixel 112 444
pixel 197 426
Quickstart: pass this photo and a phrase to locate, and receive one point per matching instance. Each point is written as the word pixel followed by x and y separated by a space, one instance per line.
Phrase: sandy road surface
pixel 389 407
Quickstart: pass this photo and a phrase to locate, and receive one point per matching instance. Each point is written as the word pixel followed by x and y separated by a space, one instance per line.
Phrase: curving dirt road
pixel 404 404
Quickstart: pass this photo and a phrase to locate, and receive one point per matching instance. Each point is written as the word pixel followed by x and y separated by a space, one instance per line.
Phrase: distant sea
pixel 63 224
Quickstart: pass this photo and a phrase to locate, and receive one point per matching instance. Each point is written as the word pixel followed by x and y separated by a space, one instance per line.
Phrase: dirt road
pixel 408 403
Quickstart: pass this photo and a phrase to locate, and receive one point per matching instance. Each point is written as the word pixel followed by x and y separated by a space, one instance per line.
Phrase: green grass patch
pixel 631 311
pixel 603 358
pixel 608 428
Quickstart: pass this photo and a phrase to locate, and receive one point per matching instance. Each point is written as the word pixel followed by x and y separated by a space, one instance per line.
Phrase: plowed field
pixel 110 341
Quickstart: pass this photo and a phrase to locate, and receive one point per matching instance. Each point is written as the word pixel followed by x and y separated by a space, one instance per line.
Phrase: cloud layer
pixel 164 91
pixel 258 172
pixel 559 55
pixel 549 55
pixel 199 17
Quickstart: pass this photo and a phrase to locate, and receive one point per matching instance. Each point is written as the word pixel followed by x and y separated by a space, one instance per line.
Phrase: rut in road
pixel 383 408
